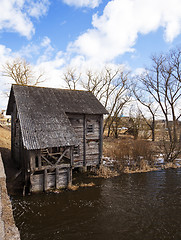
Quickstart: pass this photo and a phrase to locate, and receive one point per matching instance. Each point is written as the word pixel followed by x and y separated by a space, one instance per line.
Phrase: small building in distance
pixel 4 120
pixel 52 132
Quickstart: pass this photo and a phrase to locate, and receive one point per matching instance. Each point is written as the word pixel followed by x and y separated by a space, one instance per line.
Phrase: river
pixel 142 206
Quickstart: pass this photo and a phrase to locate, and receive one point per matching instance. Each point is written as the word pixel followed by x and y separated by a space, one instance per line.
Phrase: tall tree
pixel 71 78
pixel 163 83
pixel 109 85
pixel 21 72
pixel 147 101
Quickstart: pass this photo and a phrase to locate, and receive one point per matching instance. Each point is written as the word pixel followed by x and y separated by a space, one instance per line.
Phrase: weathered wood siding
pixel 44 181
pixel 37 182
pixel 90 142
pixel 77 122
pixel 41 177
pixel 16 138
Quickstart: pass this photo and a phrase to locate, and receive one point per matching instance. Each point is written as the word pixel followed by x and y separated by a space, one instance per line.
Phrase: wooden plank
pixel 100 138
pixel 50 167
pixel 84 140
pixel 79 164
pixel 71 157
pixel 60 158
pixel 47 160
pixel 62 178
pixel 50 180
pixel 56 177
pixel 45 180
pixel 36 182
pixel 69 176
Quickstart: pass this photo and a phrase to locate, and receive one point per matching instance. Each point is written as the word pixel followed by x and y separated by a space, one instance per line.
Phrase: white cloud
pixel 37 8
pixel 138 71
pixel 49 63
pixel 83 3
pixel 43 50
pixel 4 53
pixel 116 30
pixel 15 15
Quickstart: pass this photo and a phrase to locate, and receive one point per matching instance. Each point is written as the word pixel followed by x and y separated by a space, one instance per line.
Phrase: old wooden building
pixel 52 132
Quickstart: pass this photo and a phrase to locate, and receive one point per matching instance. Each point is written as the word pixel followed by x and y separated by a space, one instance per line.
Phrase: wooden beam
pixel 51 168
pixel 56 177
pixel 47 160
pixel 66 150
pixel 84 140
pixel 100 138
pixel 45 185
pixel 69 176
pixel 71 156
pixel 53 154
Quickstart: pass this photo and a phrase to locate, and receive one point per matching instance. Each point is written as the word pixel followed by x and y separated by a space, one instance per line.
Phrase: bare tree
pixel 163 83
pixel 21 72
pixel 148 103
pixel 110 86
pixel 71 78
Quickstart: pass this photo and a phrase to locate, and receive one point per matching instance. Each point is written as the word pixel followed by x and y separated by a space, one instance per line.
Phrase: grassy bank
pixel 131 156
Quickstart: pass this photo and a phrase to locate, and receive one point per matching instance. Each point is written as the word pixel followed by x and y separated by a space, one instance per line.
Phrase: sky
pixel 54 34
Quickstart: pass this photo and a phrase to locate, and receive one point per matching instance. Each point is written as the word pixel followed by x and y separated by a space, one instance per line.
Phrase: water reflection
pixel 136 206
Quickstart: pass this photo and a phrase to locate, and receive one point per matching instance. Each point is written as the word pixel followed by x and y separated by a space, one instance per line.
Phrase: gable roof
pixel 42 114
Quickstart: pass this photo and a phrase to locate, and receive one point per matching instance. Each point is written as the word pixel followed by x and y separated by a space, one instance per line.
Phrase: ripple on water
pixel 132 206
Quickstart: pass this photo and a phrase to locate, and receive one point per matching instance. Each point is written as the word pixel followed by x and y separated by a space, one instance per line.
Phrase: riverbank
pixel 126 155
pixel 113 168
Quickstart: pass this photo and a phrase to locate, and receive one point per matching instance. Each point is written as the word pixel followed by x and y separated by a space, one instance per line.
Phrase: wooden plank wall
pixel 16 138
pixel 77 122
pixel 92 141
pixel 50 179
pixel 89 142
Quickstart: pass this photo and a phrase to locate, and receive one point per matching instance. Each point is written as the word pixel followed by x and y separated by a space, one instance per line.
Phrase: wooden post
pixel 69 175
pixel 12 136
pixel 56 178
pixel 100 138
pixel 13 116
pixel 45 179
pixel 84 140
pixel 71 156
pixel 39 158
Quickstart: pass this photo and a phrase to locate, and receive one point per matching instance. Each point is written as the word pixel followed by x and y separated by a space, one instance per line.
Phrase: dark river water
pixel 132 206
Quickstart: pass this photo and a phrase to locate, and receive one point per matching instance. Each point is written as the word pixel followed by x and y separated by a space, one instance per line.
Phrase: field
pixel 5 137
pixel 5 142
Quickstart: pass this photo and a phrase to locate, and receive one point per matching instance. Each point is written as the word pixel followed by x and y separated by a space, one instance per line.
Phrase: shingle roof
pixel 42 114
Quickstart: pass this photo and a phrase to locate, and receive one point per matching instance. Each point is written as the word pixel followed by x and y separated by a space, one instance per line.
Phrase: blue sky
pixel 52 34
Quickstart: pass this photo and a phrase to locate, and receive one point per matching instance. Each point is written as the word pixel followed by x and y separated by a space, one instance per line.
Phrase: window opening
pixel 90 128
pixel 76 150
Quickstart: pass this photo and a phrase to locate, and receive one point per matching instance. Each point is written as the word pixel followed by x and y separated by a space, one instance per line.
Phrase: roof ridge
pixel 64 89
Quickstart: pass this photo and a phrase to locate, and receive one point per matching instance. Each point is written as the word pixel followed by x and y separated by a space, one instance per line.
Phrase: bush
pixel 143 151
pixel 130 153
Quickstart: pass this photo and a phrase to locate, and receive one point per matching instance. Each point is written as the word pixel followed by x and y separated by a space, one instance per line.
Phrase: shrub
pixel 130 153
